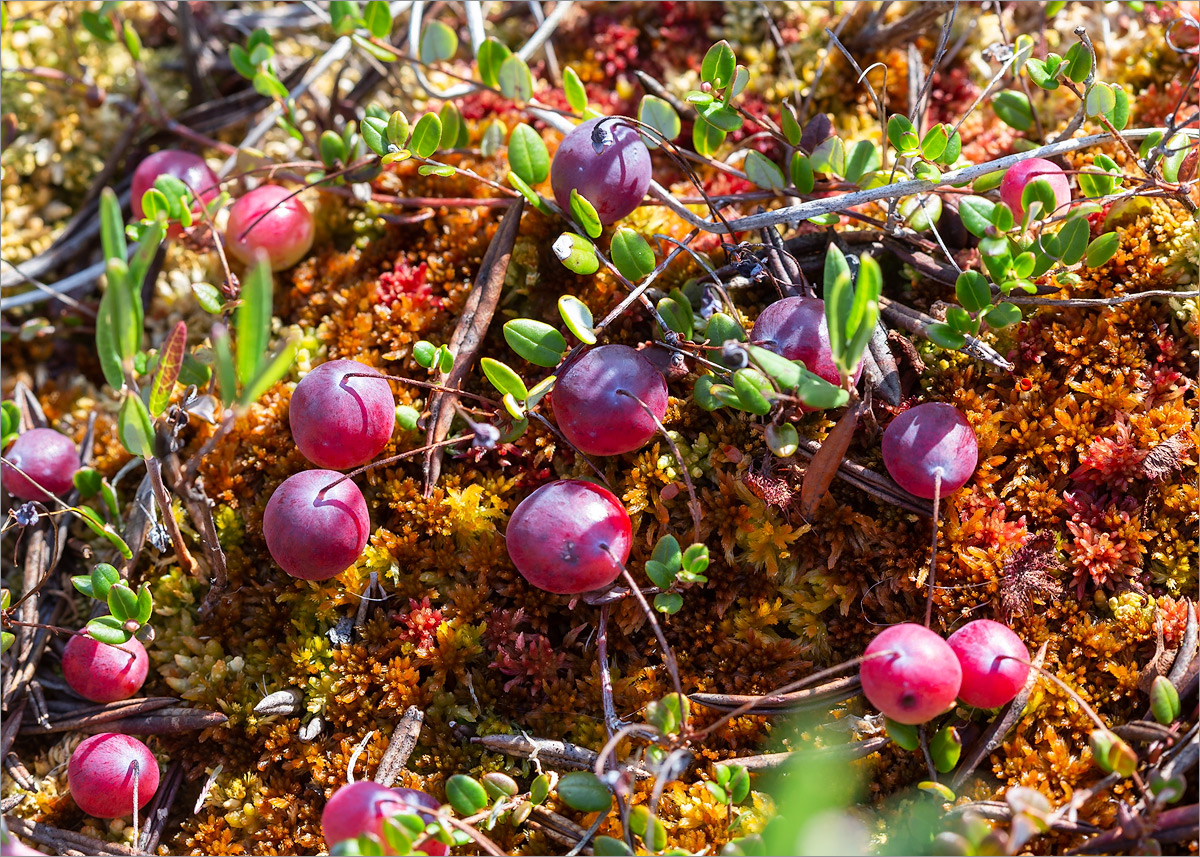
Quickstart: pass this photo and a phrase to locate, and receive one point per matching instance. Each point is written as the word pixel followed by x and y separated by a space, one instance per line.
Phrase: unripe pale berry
pixel 591 411
pixel 285 234
pixel 928 438
pixel 314 531
pixel 362 807
pixel 188 168
pixel 560 537
pixel 339 422
pixel 1019 175
pixel 917 680
pixel 102 672
pixel 796 328
pixel 614 180
pixel 994 663
pixel 101 775
pixel 42 456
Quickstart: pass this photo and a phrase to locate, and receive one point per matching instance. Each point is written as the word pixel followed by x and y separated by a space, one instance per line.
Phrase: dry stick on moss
pixel 918 322
pixel 427 385
pixel 612 722
pixel 160 807
pixel 190 492
pixel 819 698
pixel 472 327
pixel 875 484
pixel 184 557
pixel 64 840
pixel 400 746
pixel 828 459
pixel 693 500
pixel 392 459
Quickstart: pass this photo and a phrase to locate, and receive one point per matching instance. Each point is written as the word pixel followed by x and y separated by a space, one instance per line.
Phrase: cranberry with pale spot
pixel 39 462
pixel 928 441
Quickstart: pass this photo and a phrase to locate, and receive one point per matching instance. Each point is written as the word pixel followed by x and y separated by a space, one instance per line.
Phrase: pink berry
pixel 917 681
pixel 796 328
pixel 285 234
pixel 560 536
pixel 994 663
pixel 40 459
pixel 10 846
pixel 104 673
pixel 591 411
pixel 188 168
pixel 362 807
pixel 1019 175
pixel 339 422
pixel 101 775
pixel 927 439
pixel 614 180
pixel 313 533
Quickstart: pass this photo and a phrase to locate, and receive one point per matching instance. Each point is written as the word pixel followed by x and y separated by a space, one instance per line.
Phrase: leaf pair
pixel 851 311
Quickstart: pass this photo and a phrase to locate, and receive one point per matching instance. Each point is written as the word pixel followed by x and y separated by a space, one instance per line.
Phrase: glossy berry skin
pixel 314 535
pixel 985 651
pixel 918 681
pixel 104 673
pixel 796 328
pixel 593 415
pixel 44 456
pixel 339 422
pixel 557 535
pixel 188 168
pixel 614 181
pixel 285 234
pixel 362 807
pixel 925 438
pixel 101 777
pixel 1019 175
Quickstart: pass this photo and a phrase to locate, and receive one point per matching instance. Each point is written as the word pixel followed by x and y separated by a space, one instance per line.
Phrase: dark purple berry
pixel 928 439
pixel 315 531
pixel 594 414
pixel 40 459
pixel 614 180
pixel 339 422
pixel 796 328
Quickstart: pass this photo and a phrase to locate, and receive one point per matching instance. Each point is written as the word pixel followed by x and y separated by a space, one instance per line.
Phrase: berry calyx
pixel 916 677
pixel 614 180
pixel 40 460
pixel 994 663
pixel 285 233
pixel 592 409
pixel 316 529
pixel 564 536
pixel 101 774
pixel 928 440
pixel 339 422
pixel 102 672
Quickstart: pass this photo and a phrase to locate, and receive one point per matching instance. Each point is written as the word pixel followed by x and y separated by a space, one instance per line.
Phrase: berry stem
pixel 937 497
pixel 667 654
pixel 427 385
pixel 612 723
pixel 137 776
pixel 394 458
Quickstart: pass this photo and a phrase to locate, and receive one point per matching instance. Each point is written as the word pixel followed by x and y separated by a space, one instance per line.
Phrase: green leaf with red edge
pixel 170 361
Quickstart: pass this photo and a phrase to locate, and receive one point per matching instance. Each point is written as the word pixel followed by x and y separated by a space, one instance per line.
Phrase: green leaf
pixel 169 363
pixel 722 116
pixel 1102 249
pixel 722 328
pixel 442 170
pixel 374 132
pixel 397 128
pixel 934 144
pixel 863 159
pixel 466 794
pixel 676 311
pixel 1013 109
pixel 438 42
pixel 345 16
pixel 426 135
pixel 539 789
pixel 576 253
pixel 741 77
pixel 492 54
pixel 631 254
pixel 763 171
pixel 223 360
pixel 972 291
pixel 1100 99
pixel 902 734
pixel 514 79
pixel 829 157
pixel 802 172
pixel 87 481
pixel 99 25
pixel 719 65
pixel 945 749
pixel 268 85
pixel 739 784
pixel 145 605
pixel 864 312
pixel 661 116
pixel 1039 74
pixel 108 629
pixel 583 791
pixel 578 317
pixel 902 135
pixel 122 602
pixel 252 320
pixel 1164 701
pixel 695 558
pixel 493 138
pixel 575 91
pixel 989 181
pixel 271 373
pixel 1119 114
pixel 786 373
pixel 454 129
pixel 425 353
pixel 704 395
pixel 1002 315
pixel 378 17
pixel 10 417
pixel 607 846
pixel 134 426
pixel 790 125
pixel 659 574
pixel 753 390
pixel 103 578
pixel 706 137
pixel 536 341
pixel 667 553
pixel 504 379
pixel 921 211
pixel 531 196
pixel 1073 240
pixel 1077 64
pixel 584 213
pixel 527 155
pixel 944 336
